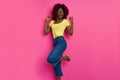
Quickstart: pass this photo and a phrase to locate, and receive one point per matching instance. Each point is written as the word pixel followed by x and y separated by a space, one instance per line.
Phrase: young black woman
pixel 58 25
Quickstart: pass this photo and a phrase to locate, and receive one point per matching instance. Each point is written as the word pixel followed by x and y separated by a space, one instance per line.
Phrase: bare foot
pixel 58 78
pixel 65 58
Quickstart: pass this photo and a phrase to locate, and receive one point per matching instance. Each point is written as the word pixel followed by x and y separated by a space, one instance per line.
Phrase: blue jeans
pixel 55 55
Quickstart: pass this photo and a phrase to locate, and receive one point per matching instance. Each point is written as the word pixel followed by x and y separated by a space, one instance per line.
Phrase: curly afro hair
pixel 56 8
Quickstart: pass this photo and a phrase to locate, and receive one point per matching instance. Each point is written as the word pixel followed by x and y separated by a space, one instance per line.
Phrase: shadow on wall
pixel 43 68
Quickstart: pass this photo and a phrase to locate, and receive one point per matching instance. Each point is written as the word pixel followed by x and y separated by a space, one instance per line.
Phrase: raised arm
pixel 70 28
pixel 47 27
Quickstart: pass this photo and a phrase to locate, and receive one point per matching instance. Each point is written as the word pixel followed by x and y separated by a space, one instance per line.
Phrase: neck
pixel 59 19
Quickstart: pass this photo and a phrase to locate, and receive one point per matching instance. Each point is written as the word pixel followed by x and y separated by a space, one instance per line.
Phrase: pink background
pixel 94 47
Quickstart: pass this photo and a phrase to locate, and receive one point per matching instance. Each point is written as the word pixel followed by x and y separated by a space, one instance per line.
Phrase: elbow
pixel 46 32
pixel 71 33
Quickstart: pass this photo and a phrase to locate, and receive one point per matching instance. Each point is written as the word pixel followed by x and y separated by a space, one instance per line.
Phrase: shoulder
pixel 51 22
pixel 65 20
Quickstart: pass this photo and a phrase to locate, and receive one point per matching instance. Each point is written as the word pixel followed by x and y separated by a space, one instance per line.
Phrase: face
pixel 60 13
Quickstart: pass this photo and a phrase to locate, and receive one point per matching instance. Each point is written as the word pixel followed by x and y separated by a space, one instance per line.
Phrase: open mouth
pixel 60 15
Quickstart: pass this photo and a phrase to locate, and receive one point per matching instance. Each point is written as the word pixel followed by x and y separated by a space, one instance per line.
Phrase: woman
pixel 58 25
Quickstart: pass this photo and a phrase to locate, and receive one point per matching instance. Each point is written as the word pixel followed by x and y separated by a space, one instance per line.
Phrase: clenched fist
pixel 48 19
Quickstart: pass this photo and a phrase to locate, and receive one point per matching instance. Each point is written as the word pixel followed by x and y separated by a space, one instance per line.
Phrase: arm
pixel 70 28
pixel 47 27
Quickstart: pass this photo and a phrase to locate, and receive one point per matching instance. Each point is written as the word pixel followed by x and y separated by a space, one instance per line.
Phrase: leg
pixel 58 70
pixel 55 55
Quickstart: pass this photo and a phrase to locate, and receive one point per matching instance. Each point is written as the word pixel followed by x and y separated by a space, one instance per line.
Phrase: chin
pixel 61 17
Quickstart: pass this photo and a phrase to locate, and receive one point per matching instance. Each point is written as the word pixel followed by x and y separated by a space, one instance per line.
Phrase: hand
pixel 48 18
pixel 71 19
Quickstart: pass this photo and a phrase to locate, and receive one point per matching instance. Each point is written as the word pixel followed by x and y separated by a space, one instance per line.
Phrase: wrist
pixel 71 22
pixel 46 21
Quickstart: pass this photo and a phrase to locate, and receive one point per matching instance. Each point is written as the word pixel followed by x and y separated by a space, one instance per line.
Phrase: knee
pixel 65 46
pixel 49 59
pixel 52 59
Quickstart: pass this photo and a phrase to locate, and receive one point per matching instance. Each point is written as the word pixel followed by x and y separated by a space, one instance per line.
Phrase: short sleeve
pixel 51 22
pixel 67 23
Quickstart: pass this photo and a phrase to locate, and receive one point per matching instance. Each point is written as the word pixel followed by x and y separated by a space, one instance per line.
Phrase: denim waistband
pixel 59 39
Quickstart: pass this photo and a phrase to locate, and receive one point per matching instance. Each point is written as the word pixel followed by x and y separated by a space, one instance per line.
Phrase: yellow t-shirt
pixel 58 28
